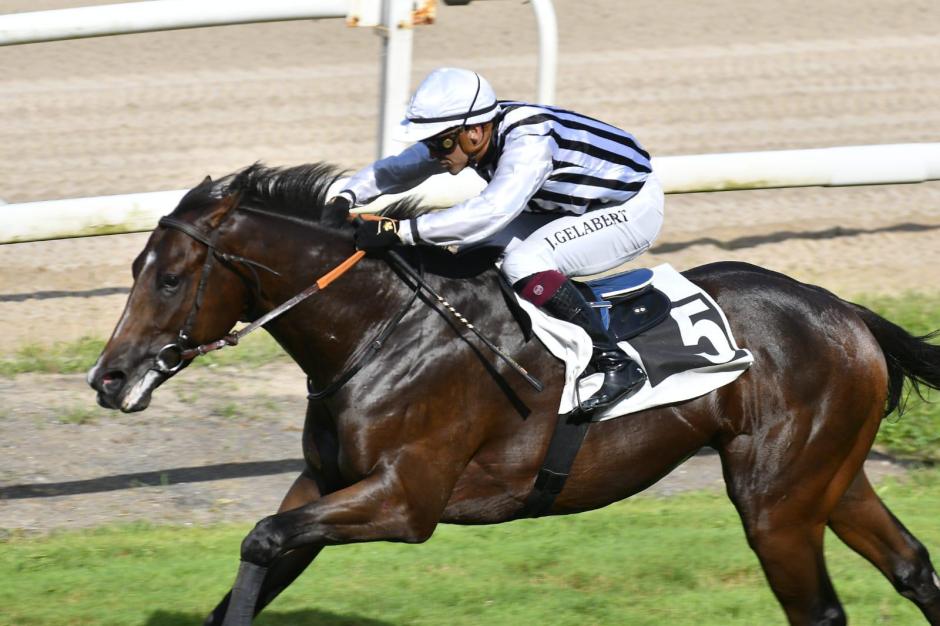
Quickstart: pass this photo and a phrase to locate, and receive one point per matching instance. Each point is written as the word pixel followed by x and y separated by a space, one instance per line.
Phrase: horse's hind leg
pixel 785 495
pixel 791 554
pixel 288 566
pixel 784 515
pixel 866 525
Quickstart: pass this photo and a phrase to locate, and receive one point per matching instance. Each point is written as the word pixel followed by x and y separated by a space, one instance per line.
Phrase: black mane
pixel 297 193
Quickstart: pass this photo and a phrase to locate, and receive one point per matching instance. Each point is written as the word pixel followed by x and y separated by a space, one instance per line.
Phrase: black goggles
pixel 442 144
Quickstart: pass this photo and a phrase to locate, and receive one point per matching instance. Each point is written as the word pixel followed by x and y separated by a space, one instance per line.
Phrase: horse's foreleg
pixel 866 525
pixel 388 505
pixel 288 566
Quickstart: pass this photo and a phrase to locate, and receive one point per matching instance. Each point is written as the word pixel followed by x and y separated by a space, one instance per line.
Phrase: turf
pixel 678 560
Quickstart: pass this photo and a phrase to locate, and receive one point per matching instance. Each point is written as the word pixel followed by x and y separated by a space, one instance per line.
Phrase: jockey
pixel 567 195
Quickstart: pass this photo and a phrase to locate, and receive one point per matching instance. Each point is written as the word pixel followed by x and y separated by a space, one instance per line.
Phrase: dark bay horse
pixel 432 429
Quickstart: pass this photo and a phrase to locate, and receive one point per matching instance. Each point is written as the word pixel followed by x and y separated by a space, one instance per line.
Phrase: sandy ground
pixel 159 111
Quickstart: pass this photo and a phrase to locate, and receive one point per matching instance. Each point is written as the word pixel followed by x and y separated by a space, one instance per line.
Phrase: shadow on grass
pixel 307 617
pixel 157 478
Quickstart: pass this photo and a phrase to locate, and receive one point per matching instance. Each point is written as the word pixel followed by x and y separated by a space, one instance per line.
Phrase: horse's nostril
pixel 112 381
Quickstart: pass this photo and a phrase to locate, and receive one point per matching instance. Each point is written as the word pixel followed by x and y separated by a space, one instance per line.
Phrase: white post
pixel 396 29
pixel 548 49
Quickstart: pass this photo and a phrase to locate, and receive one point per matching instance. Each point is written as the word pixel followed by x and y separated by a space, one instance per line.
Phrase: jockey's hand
pixel 377 235
pixel 340 204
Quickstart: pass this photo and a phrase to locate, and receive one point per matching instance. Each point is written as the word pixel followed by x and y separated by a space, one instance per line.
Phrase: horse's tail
pixel 908 356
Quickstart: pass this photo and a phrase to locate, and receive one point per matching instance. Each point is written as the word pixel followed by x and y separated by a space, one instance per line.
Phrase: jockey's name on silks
pixel 580 230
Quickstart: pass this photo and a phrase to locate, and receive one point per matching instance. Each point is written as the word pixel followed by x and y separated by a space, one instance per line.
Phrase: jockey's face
pixel 448 147
pixel 445 147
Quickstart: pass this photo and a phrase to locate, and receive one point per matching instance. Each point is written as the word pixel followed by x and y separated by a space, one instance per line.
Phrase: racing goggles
pixel 444 143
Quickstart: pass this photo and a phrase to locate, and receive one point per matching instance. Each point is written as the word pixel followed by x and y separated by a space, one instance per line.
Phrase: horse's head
pixel 186 292
pixel 198 273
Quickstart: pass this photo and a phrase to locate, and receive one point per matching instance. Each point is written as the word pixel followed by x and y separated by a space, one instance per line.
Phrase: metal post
pixel 396 29
pixel 548 49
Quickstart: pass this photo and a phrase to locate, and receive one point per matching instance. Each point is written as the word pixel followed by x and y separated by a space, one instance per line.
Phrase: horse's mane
pixel 297 193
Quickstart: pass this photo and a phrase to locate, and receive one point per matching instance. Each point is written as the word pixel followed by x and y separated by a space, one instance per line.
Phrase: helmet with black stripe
pixel 447 98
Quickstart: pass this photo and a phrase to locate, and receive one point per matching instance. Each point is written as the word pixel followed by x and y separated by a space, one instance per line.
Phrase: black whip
pixel 407 269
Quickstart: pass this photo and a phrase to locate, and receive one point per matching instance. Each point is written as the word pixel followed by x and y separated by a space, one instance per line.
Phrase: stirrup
pixel 624 392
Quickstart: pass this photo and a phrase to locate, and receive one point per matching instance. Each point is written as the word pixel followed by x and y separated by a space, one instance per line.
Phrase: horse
pixel 428 428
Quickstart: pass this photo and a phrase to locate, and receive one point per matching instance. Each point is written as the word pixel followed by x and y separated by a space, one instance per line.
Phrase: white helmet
pixel 446 98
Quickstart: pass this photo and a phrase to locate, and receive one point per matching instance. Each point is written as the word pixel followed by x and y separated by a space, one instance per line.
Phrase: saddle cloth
pixel 690 353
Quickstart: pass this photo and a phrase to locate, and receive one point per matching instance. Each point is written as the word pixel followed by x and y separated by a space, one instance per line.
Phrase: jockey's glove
pixel 377 235
pixel 339 205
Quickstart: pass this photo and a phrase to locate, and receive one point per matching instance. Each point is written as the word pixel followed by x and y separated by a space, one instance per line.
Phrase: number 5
pixel 693 331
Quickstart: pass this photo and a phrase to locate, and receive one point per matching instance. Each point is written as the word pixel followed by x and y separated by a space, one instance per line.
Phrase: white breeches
pixel 603 238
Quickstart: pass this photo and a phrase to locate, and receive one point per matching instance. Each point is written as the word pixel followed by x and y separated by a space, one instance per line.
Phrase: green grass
pixel 78 356
pixel 78 415
pixel 60 358
pixel 679 560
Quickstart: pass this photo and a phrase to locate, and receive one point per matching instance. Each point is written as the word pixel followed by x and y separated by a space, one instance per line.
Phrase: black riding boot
pixel 622 375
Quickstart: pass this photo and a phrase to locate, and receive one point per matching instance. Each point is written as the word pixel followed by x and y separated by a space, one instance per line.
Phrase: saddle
pixel 628 303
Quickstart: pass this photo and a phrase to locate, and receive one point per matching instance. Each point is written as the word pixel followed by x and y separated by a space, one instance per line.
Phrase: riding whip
pixel 407 269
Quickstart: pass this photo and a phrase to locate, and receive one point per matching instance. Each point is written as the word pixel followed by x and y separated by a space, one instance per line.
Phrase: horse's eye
pixel 170 281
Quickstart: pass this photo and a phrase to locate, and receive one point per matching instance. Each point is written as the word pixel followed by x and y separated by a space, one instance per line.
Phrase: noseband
pixel 172 357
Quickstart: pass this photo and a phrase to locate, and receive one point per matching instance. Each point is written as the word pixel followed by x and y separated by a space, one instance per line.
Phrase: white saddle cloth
pixel 695 335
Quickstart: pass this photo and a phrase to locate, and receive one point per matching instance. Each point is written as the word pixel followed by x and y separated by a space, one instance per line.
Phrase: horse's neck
pixel 324 332
pixel 354 309
pixel 329 327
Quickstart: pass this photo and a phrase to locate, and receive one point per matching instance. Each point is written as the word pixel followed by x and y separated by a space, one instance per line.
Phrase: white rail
pixel 396 73
pixel 828 167
pixel 852 165
pixel 156 15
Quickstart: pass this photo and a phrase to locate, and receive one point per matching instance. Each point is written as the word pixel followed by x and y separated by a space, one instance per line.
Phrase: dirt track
pixel 159 111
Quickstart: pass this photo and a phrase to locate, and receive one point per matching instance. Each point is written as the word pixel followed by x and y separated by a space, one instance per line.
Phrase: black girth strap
pixel 563 448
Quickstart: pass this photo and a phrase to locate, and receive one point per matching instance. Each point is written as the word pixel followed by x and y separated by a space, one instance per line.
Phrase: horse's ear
pixel 223 208
pixel 206 181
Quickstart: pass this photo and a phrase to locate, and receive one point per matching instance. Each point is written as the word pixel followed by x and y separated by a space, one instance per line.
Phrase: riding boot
pixel 622 375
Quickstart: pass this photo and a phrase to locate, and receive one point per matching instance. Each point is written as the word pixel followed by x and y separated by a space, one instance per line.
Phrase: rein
pixel 364 353
pixel 172 357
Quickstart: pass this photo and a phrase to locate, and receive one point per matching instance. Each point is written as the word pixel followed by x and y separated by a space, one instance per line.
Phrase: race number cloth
pixel 689 354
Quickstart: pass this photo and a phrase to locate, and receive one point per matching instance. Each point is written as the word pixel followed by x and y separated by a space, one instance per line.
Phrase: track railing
pixel 57 219
pixel 851 165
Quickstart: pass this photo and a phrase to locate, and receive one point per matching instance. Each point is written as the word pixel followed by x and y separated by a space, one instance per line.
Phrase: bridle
pixel 173 356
